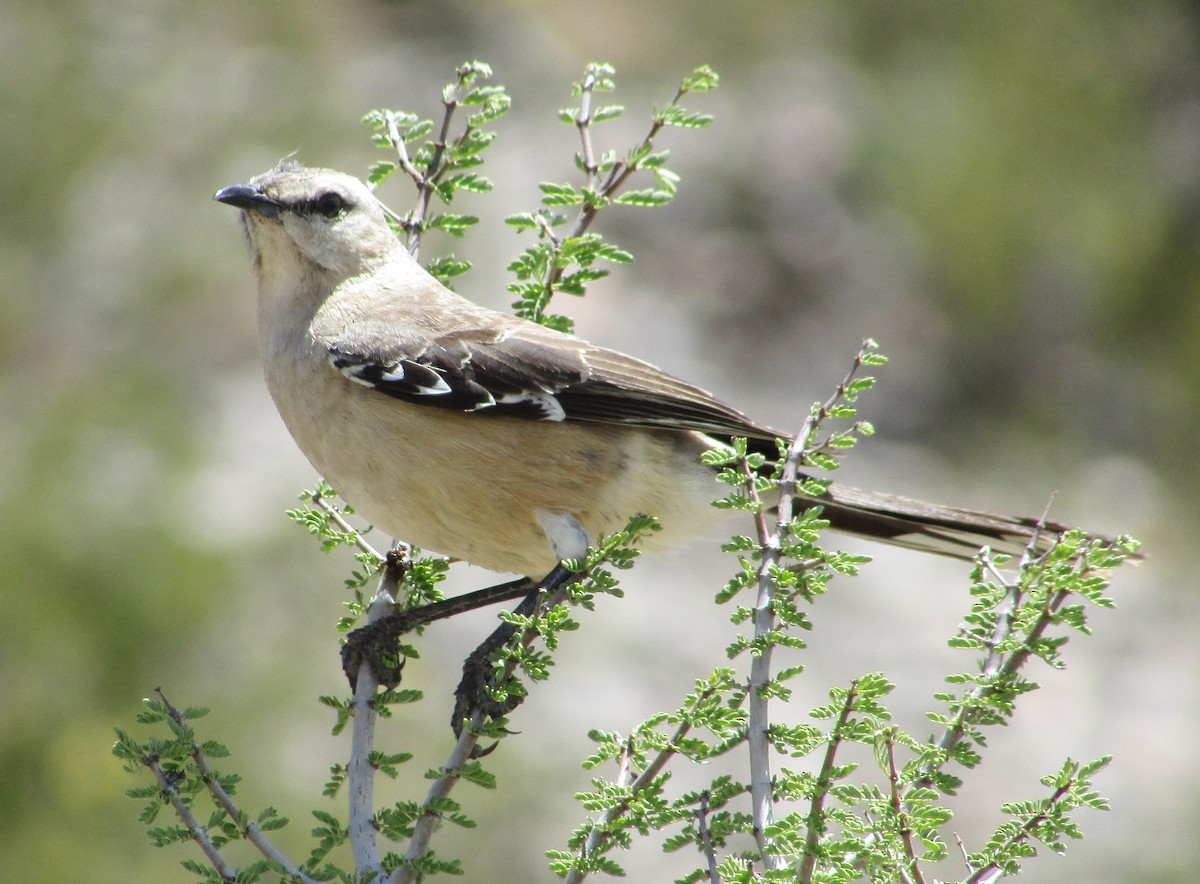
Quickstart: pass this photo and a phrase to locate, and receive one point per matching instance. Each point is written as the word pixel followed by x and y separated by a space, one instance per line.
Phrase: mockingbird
pixel 487 437
pixel 484 436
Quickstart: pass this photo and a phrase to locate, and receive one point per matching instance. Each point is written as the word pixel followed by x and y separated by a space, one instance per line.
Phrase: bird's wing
pixel 622 389
pixel 501 365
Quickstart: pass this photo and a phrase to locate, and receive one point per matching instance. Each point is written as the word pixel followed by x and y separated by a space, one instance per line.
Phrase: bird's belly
pixel 472 485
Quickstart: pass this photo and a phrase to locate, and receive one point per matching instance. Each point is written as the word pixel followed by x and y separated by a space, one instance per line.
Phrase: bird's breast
pixel 476 486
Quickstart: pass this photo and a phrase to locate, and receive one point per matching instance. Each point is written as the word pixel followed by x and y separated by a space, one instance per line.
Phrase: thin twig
pixel 583 122
pixel 198 831
pixel 434 169
pixel 425 188
pixel 758 725
pixel 901 817
pixel 397 141
pixel 335 516
pixel 997 667
pixel 598 835
pixel 360 772
pixel 548 232
pixel 250 830
pixel 613 182
pixel 418 846
pixel 992 664
pixel 600 831
pixel 599 194
pixel 706 842
pixel 765 621
pixel 620 172
pixel 622 777
pixel 554 272
pixel 962 848
pixel 992 871
pixel 816 808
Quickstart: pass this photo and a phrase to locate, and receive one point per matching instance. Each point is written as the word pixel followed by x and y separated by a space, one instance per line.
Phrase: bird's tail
pixel 931 527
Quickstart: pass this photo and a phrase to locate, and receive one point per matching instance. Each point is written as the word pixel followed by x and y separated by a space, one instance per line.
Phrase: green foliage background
pixel 1007 195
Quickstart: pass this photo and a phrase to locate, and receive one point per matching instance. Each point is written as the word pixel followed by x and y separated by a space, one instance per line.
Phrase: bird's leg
pixel 478 676
pixel 377 642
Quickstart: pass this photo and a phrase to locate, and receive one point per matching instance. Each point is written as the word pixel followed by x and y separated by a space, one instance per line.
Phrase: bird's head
pixel 316 217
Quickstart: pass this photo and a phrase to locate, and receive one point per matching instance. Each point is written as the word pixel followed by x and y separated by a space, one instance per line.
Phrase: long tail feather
pixel 931 527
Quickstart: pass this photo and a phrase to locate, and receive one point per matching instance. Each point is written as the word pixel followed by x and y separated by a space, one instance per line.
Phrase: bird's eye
pixel 330 204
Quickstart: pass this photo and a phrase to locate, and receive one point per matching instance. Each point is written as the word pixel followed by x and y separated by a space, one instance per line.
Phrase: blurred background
pixel 1006 195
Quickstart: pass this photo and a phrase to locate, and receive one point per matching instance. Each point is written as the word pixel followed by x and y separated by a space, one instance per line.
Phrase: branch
pixel 772 544
pixel 583 122
pixel 427 180
pixel 397 140
pixel 464 751
pixel 617 176
pixel 710 856
pixel 993 871
pixel 418 845
pixel 250 830
pixel 997 667
pixel 622 169
pixel 600 831
pixel 360 772
pixel 901 817
pixel 760 670
pixel 335 516
pixel 816 807
pixel 198 832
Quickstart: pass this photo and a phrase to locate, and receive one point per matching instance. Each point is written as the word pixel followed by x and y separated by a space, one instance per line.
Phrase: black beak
pixel 248 198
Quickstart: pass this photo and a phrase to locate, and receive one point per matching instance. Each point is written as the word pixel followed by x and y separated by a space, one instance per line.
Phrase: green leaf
pixel 522 221
pixel 702 79
pixel 455 225
pixel 559 194
pixel 616 254
pixel 674 115
pixel 647 197
pixel 468 181
pixel 377 172
pixel 608 112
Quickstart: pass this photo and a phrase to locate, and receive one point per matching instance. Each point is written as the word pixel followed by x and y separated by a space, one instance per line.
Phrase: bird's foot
pixel 378 645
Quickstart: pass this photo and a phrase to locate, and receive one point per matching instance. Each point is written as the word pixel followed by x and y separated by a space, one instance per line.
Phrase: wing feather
pixel 507 366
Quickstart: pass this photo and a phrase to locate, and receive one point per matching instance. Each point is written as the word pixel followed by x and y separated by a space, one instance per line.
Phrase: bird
pixel 487 437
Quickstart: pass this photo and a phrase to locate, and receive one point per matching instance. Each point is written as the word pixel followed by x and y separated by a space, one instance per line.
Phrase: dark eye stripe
pixel 329 204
